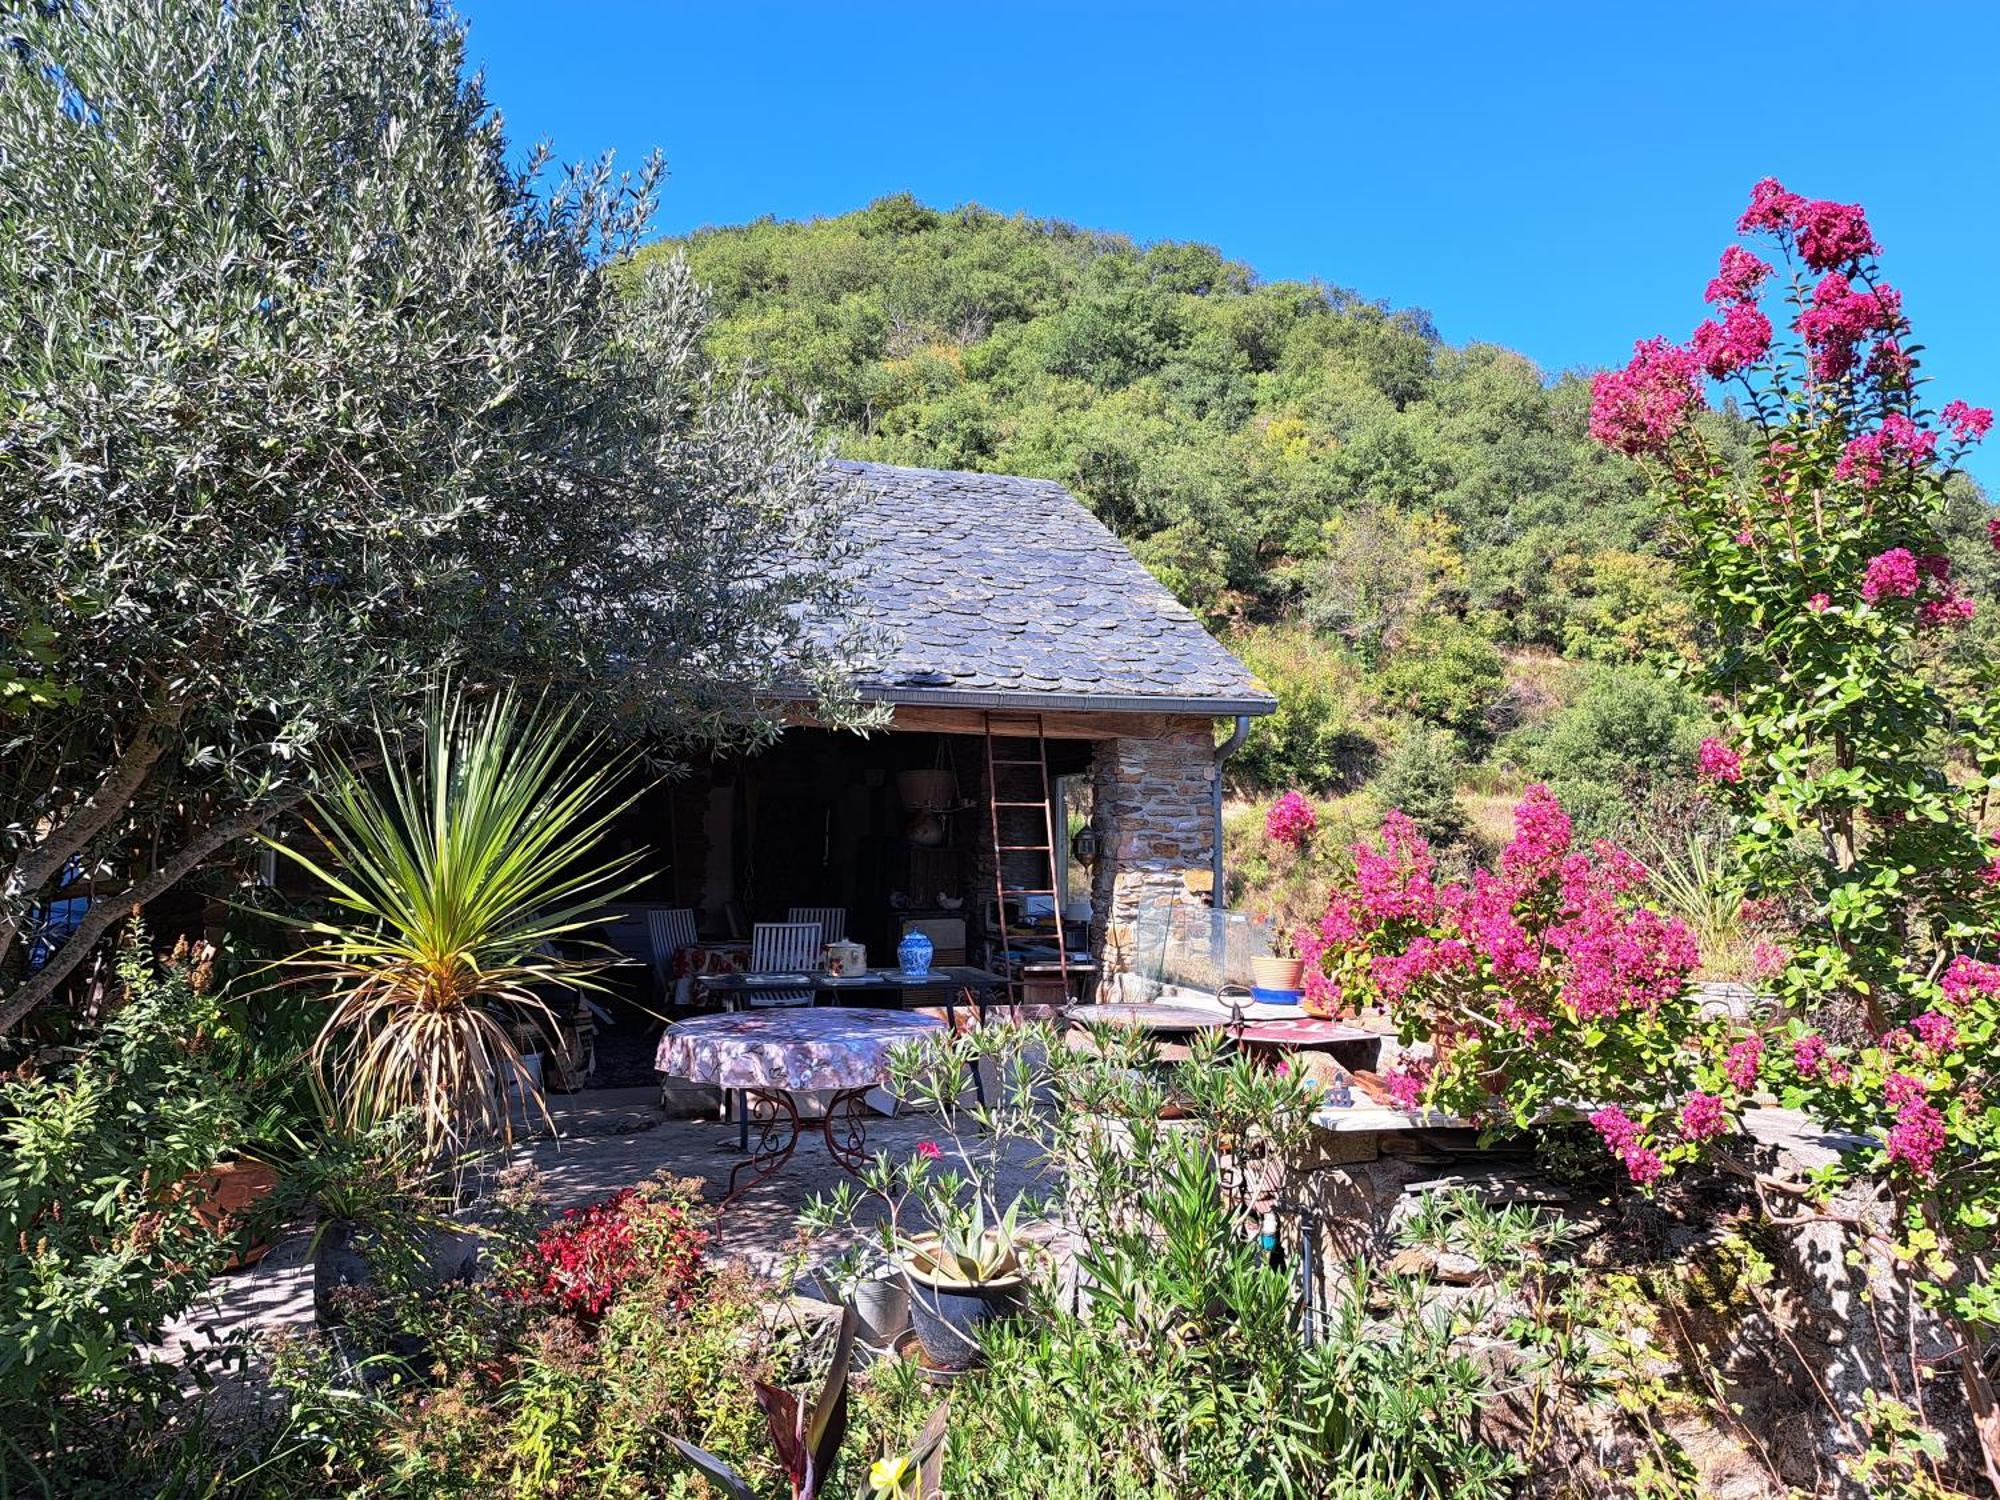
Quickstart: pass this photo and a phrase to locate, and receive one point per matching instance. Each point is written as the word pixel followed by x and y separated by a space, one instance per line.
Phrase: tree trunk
pixel 120 783
pixel 106 911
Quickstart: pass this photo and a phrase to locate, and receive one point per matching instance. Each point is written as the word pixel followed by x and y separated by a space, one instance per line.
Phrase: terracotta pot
pixel 1278 973
pixel 226 1194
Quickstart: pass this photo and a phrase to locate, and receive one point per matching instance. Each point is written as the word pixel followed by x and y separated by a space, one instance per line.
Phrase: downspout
pixel 1222 753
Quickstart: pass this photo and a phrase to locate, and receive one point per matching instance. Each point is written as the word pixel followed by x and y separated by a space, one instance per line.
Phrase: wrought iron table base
pixel 843 1127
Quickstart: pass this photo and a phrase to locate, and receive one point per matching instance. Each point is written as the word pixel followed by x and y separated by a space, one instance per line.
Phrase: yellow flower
pixel 894 1477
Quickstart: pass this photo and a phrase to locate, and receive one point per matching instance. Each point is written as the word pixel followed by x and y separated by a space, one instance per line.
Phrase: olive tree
pixel 309 397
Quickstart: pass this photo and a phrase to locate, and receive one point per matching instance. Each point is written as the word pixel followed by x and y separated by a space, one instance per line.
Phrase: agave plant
pixel 459 868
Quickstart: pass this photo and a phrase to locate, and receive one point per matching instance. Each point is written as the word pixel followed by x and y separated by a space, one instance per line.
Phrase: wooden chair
pixel 668 930
pixel 783 948
pixel 832 921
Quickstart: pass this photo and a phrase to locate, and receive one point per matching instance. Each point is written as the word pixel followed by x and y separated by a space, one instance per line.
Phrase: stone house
pixel 1007 625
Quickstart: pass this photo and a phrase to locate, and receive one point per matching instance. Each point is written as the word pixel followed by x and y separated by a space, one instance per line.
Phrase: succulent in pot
pixel 937 1216
pixel 961 1277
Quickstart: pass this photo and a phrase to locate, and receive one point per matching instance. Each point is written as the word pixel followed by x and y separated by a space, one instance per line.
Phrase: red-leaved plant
pixel 581 1263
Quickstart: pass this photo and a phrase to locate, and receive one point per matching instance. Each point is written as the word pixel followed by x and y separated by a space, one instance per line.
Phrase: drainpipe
pixel 1222 753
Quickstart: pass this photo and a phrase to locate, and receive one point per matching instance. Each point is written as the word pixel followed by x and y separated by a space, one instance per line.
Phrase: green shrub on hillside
pixel 1420 779
pixel 1319 739
pixel 1448 677
pixel 1628 728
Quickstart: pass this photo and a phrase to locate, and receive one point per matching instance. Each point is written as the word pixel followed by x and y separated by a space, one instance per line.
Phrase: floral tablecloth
pixel 804 1047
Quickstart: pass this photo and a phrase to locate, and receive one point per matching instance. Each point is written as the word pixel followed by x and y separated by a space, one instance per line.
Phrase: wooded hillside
pixel 1398 533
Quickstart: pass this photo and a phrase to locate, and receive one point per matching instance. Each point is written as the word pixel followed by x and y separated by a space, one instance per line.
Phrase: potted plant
pixel 937 1216
pixel 961 1277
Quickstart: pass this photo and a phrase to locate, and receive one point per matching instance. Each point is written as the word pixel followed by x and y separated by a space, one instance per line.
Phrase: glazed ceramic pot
pixel 913 954
pixel 948 1313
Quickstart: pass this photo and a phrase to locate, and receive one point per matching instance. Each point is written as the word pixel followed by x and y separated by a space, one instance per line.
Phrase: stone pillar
pixel 1154 813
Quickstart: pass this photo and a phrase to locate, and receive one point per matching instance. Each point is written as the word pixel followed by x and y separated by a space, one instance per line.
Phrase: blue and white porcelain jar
pixel 913 954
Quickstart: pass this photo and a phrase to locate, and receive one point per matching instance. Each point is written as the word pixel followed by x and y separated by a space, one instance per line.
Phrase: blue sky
pixel 1556 178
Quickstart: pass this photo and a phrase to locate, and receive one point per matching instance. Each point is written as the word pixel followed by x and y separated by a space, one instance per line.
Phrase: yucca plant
pixel 459 867
pixel 1695 881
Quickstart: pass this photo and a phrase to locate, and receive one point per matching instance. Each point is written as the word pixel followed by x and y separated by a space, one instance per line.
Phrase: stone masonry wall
pixel 1155 819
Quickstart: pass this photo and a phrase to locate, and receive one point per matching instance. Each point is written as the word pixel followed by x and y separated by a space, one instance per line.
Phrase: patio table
pixel 953 986
pixel 774 1054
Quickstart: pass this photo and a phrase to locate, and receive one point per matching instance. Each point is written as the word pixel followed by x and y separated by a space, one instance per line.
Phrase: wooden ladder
pixel 1031 728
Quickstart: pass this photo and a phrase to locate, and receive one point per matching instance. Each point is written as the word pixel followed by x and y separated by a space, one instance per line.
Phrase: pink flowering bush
pixel 1857 772
pixel 1544 984
pixel 1291 821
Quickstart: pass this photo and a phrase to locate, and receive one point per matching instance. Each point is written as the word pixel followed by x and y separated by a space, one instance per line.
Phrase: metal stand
pixel 843 1127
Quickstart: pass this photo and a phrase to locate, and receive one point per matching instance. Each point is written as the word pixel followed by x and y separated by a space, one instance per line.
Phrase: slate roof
pixel 988 591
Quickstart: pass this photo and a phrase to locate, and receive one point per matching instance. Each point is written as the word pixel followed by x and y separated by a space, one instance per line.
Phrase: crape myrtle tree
pixel 308 398
pixel 1858 764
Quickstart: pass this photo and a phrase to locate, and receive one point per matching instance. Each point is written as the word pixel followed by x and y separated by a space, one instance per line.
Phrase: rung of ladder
pixel 1024 848
pixel 1020 804
pixel 1020 764
pixel 1025 890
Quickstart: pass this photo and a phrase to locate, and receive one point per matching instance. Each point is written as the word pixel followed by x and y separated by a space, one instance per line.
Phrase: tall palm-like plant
pixel 460 867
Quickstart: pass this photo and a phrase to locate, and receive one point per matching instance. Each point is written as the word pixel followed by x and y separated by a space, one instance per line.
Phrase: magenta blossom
pixel 1541 834
pixel 1701 1117
pixel 1809 1054
pixel 1890 575
pixel 1967 423
pixel 1839 317
pixel 1291 820
pixel 1640 408
pixel 1968 979
pixel 1740 275
pixel 928 1150
pixel 1917 1136
pixel 1771 207
pixel 1832 234
pixel 1936 1031
pixel 1898 443
pixel 1742 338
pixel 1743 1061
pixel 1819 604
pixel 1718 763
pixel 1950 611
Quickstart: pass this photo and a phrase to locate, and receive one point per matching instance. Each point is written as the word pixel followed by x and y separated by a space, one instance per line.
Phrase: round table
pixel 774 1054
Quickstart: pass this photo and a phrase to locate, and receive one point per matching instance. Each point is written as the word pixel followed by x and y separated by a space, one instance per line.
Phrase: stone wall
pixel 1154 814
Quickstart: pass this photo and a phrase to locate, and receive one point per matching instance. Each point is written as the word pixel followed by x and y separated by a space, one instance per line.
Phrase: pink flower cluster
pixel 1701 1117
pixel 1839 317
pixel 1936 1032
pixel 1968 980
pixel 1890 575
pixel 1291 820
pixel 1742 1062
pixel 1828 234
pixel 1919 1132
pixel 1897 444
pixel 1967 423
pixel 1551 931
pixel 1741 339
pixel 1622 1138
pixel 1737 280
pixel 1641 408
pixel 1716 762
